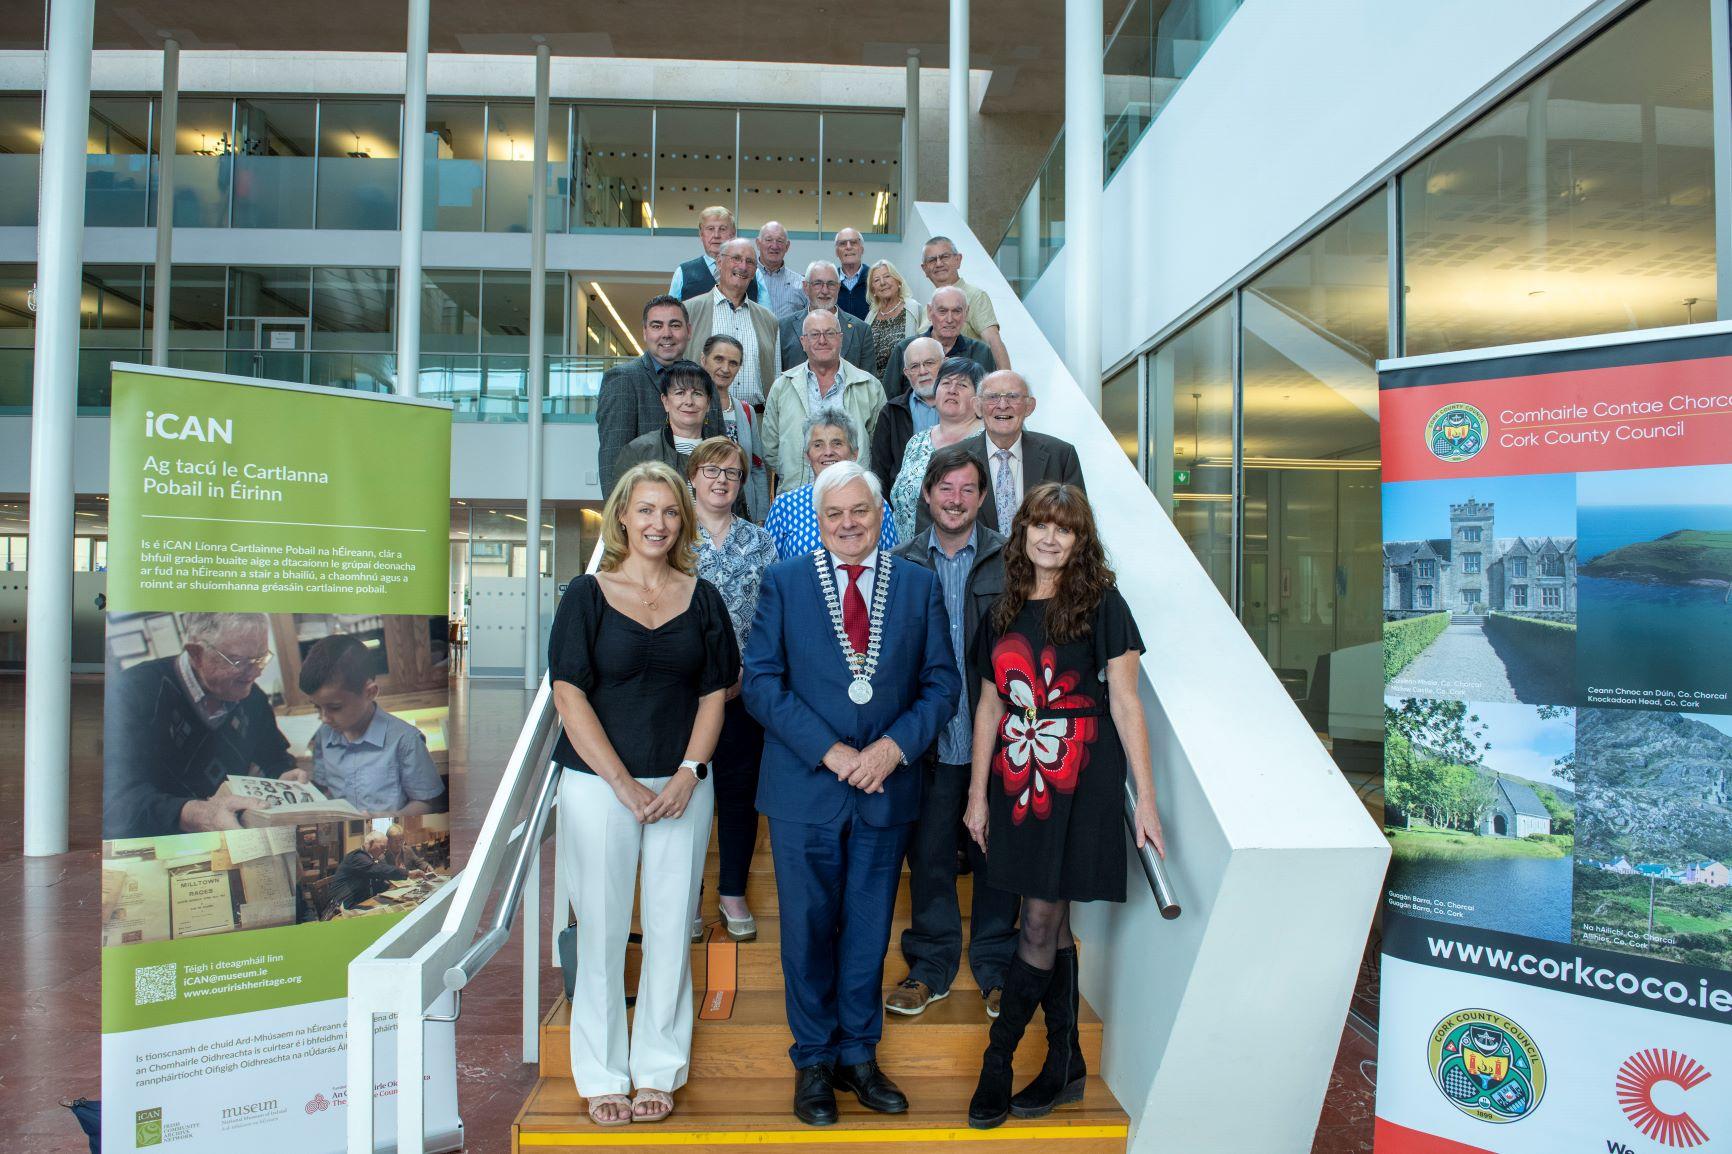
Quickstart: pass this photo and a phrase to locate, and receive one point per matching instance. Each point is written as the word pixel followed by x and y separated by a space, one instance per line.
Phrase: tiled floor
pixel 49 1040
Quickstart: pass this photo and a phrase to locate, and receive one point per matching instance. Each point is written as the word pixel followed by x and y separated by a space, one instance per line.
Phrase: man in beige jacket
pixel 727 309
pixel 824 380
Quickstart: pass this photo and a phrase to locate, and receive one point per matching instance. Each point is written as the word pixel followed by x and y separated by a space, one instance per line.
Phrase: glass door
pixel 280 348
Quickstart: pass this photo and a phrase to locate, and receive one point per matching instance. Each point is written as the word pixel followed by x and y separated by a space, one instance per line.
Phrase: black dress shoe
pixel 875 1091
pixel 814 1100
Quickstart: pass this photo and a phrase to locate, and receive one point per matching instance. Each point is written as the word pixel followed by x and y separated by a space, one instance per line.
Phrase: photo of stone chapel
pixel 1473 571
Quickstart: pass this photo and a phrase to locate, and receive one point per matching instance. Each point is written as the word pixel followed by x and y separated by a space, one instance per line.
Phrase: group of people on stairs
pixel 884 680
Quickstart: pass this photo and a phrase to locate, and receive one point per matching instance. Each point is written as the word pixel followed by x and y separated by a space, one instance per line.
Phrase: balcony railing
pixel 481 387
pixel 1155 46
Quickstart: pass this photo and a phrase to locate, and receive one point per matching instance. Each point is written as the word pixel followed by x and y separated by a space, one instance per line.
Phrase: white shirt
pixel 992 462
pixel 865 581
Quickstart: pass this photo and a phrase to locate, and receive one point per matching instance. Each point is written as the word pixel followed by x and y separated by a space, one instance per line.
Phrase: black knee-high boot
pixel 1023 988
pixel 1061 1079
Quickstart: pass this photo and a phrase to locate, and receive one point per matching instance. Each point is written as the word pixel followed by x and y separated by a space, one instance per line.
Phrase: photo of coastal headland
pixel 1655 589
pixel 1653 864
pixel 1480 809
pixel 1479 589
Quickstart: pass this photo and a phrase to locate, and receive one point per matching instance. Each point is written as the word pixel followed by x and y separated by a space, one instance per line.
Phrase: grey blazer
pixel 1044 458
pixel 628 405
pixel 702 310
pixel 856 341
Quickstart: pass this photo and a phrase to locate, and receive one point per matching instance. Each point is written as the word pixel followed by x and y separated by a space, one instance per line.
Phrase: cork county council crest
pixel 1487 1065
pixel 1456 432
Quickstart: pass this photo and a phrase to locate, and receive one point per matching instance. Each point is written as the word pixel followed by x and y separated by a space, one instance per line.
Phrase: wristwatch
pixel 700 769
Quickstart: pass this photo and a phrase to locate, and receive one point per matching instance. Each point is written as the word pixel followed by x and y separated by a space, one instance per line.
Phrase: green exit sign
pixel 1181 476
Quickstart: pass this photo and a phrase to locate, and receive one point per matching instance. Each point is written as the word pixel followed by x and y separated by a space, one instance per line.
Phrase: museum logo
pixel 147 1127
pixel 1487 1065
pixel 1456 433
pixel 1637 1078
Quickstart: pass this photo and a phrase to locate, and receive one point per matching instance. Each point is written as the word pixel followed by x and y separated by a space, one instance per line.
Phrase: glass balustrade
pixel 1155 46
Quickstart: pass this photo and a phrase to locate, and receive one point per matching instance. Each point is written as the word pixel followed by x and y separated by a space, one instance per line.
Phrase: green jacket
pixel 783 433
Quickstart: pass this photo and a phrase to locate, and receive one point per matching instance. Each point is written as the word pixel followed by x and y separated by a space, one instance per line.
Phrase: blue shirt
pixel 924 413
pixel 735 566
pixel 793 523
pixel 382 772
pixel 956 739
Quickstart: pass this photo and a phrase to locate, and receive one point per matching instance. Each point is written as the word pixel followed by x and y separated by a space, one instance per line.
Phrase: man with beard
pixel 910 411
pixel 968 558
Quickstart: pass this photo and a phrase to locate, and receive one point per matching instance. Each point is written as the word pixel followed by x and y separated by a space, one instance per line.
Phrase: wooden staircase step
pixel 716 1113
pixel 759 963
pixel 753 1043
pixel 761 892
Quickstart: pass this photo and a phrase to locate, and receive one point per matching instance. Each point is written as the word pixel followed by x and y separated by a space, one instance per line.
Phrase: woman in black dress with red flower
pixel 1058 657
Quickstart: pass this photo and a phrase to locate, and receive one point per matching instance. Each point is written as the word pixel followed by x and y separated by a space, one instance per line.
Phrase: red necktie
pixel 854 609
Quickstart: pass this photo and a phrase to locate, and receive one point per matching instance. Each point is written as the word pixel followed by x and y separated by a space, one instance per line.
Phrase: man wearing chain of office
pixel 849 669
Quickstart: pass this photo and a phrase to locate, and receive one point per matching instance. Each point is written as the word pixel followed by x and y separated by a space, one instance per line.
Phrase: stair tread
pixel 769 1008
pixel 761 1105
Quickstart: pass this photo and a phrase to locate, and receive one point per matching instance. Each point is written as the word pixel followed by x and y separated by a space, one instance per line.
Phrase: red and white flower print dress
pixel 1055 829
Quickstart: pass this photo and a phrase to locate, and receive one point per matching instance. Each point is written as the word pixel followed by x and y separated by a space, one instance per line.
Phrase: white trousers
pixel 600 847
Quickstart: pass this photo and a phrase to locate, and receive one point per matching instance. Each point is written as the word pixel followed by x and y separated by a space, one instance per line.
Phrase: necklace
pixel 649 596
pixel 861 666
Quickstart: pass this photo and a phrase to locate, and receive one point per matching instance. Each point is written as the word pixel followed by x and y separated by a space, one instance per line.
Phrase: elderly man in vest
pixel 697 276
pixel 851 672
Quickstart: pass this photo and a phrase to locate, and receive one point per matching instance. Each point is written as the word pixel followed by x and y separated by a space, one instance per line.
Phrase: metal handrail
pixel 529 835
pixel 1153 869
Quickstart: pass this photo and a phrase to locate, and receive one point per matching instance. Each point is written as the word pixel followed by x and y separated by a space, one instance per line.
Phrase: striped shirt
pixel 956 739
pixel 737 323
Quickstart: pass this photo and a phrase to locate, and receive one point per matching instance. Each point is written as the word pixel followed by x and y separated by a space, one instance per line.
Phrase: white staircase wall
pixel 1222 1026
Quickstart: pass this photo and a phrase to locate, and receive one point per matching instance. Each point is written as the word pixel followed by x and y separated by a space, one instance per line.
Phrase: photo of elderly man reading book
pixel 218 721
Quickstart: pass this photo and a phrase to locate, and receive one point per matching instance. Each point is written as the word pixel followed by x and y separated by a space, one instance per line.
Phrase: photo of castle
pixel 1479 590
pixel 1474 571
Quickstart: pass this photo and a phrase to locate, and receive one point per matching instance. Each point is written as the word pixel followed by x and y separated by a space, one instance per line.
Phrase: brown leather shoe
pixel 991 997
pixel 912 997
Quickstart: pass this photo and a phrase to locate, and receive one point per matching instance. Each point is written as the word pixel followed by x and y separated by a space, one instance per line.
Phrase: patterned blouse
pixel 886 331
pixel 736 568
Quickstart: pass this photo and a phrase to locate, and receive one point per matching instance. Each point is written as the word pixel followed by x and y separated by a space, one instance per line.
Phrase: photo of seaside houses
pixel 1653 868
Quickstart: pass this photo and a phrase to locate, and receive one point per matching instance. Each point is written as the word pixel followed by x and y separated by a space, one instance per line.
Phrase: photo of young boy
pixel 376 761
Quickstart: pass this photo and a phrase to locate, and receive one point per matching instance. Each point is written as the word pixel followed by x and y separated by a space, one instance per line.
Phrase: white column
pixel 414 156
pixel 537 371
pixel 59 271
pixel 1084 144
pixel 165 149
pixel 910 143
pixel 959 106
pixel 1028 236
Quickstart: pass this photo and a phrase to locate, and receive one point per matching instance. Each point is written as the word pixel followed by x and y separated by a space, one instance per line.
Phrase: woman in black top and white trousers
pixel 641 657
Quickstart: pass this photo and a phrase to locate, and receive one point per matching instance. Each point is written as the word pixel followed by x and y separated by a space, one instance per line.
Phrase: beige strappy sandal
pixel 610 1100
pixel 651 1098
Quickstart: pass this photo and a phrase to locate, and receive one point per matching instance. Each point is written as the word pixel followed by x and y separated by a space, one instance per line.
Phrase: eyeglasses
pixel 237 664
pixel 826 335
pixel 939 258
pixel 1003 398
pixel 711 472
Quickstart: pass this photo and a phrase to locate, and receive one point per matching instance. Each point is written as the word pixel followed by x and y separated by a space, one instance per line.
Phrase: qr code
pixel 153 984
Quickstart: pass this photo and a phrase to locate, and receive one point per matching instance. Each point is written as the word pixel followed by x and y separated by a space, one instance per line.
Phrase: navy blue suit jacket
pixel 796 685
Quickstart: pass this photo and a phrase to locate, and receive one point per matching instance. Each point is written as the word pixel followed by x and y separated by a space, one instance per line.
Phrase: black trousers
pixel 932 945
pixel 735 763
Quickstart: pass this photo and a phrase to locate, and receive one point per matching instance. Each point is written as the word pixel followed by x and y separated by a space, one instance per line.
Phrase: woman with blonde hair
pixel 894 313
pixel 641 658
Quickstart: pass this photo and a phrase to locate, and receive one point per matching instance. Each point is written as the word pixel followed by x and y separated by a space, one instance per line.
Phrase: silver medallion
pixel 860 691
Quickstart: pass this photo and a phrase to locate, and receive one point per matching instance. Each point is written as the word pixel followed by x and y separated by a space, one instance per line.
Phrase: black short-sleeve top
pixel 643 683
pixel 1112 633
